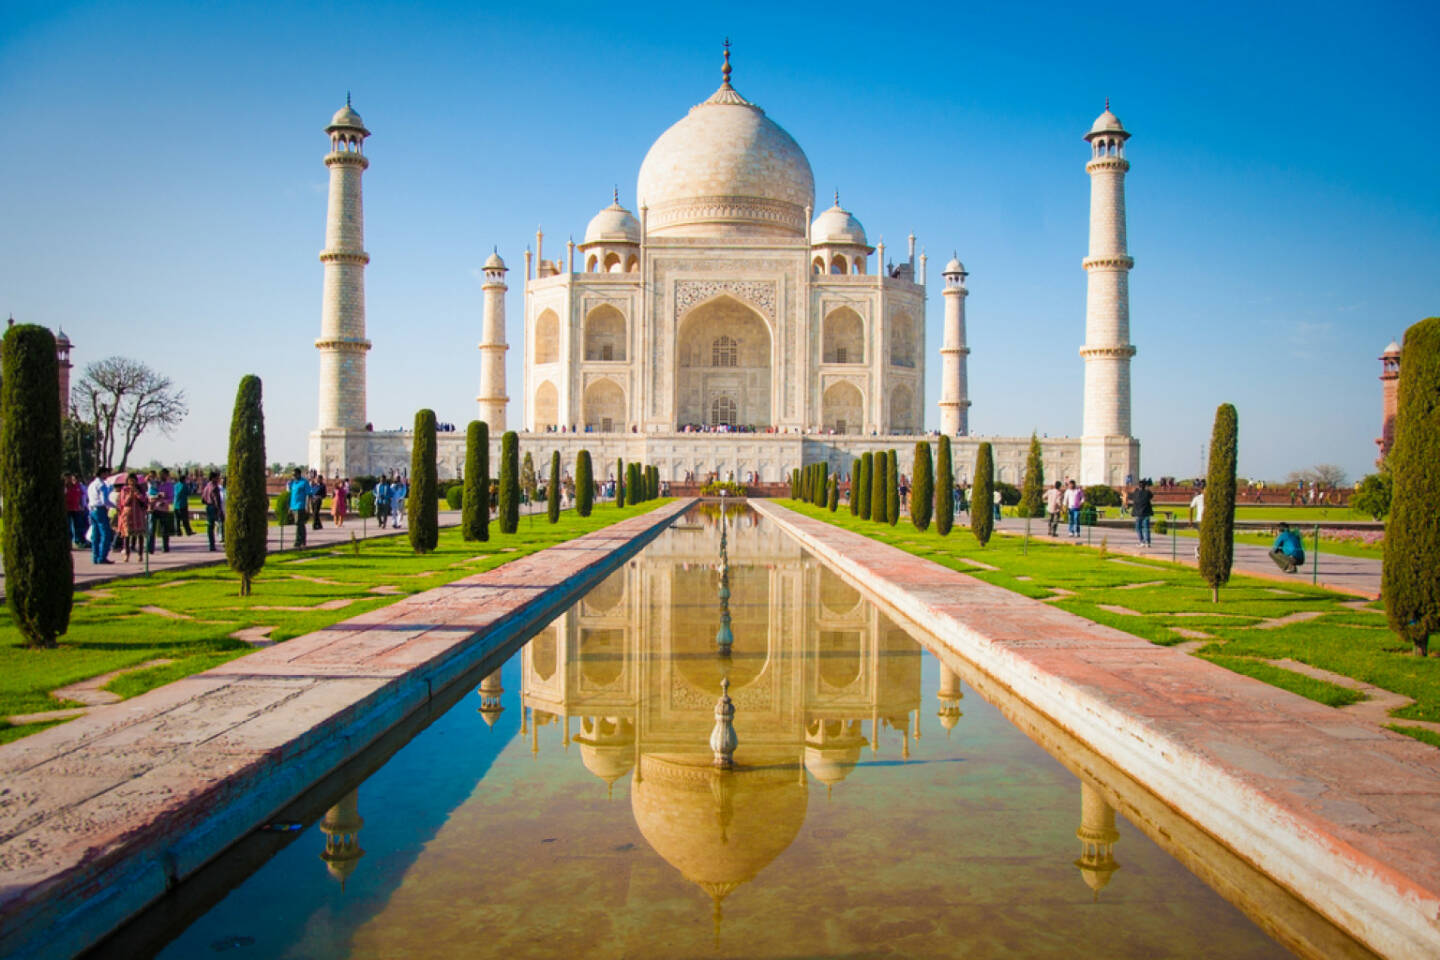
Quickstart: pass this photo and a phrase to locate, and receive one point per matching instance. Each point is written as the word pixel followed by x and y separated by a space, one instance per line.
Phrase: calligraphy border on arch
pixel 759 294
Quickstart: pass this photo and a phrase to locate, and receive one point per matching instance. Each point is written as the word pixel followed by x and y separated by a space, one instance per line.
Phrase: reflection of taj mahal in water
pixel 818 675
pixel 727 304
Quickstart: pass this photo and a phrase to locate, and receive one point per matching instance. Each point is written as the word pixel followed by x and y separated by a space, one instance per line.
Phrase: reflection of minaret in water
pixel 490 693
pixel 341 826
pixel 949 696
pixel 1098 836
pixel 724 637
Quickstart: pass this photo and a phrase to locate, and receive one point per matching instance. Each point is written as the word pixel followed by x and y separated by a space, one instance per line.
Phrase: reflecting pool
pixel 878 806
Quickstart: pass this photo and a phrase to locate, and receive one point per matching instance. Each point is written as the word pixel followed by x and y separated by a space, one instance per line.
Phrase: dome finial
pixel 616 195
pixel 837 196
pixel 725 70
pixel 347 98
pixel 1107 103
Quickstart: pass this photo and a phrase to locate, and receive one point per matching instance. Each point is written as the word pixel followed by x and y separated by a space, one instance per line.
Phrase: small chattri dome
pixel 954 266
pixel 614 224
pixel 837 225
pixel 347 119
pixel 493 262
pixel 1392 351
pixel 1107 122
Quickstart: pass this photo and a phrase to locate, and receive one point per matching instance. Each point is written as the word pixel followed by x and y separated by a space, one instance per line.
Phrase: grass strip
pixel 1321 691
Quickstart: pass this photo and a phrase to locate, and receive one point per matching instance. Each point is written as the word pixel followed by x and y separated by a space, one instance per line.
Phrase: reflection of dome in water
pixel 607 747
pixel 830 765
pixel 718 828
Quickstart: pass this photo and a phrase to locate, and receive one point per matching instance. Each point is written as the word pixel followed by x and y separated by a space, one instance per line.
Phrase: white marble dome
pixel 347 118
pixel 726 169
pixel 614 224
pixel 837 225
pixel 1107 122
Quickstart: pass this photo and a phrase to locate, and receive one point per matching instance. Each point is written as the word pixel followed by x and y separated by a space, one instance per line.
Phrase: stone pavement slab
pixel 102 815
pixel 1342 813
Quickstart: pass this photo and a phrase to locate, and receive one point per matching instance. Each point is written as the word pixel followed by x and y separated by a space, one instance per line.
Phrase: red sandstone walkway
pixel 101 815
pixel 1342 813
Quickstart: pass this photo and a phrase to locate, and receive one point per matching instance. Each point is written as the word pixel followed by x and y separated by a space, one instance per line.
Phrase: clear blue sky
pixel 163 196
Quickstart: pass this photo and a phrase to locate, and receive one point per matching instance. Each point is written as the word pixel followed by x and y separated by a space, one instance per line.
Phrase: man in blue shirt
pixel 1288 552
pixel 299 500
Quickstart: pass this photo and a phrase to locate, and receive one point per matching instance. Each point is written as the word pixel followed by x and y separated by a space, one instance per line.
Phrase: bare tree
pixel 122 398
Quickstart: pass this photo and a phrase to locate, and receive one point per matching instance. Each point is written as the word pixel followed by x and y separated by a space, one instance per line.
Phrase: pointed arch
pixel 902 410
pixel 605 333
pixel 842 408
pixel 604 407
pixel 547 337
pixel 843 337
pixel 547 406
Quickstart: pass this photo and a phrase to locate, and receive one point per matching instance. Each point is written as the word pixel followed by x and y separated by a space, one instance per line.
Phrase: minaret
pixel 1390 385
pixel 492 399
pixel 342 342
pixel 62 355
pixel 491 706
pixel 949 696
pixel 1107 454
pixel 954 399
pixel 1097 836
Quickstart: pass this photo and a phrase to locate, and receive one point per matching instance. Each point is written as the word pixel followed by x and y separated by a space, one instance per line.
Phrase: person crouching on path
pixel 132 505
pixel 1054 503
pixel 299 500
pixel 1143 507
pixel 214 510
pixel 1074 500
pixel 341 504
pixel 1288 551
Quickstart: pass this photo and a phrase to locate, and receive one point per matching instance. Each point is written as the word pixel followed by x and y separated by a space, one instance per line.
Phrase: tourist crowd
pixel 133 510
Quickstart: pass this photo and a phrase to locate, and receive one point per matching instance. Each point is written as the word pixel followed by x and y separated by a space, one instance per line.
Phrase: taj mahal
pixel 725 328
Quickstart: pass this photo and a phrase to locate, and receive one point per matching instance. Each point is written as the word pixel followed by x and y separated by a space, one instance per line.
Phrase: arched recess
pixel 633 264
pixel 547 406
pixel 723 349
pixel 817 265
pixel 902 410
pixel 544 653
pixel 838 265
pixel 547 337
pixel 602 656
pixel 605 334
pixel 843 340
pixel 840 658
pixel 902 340
pixel 592 263
pixel 842 409
pixel 612 262
pixel 604 406
pixel 836 596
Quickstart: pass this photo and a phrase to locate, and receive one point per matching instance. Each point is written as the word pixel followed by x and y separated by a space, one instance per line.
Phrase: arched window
pixel 838 265
pixel 817 266
pixel 612 262
pixel 723 352
pixel 593 264
pixel 547 337
pixel 722 412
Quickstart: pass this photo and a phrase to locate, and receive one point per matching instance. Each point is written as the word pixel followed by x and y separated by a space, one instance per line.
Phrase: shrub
pixel 729 487
pixel 1217 524
pixel 944 488
pixel 455 499
pixel 584 484
pixel 281 507
pixel 1162 526
pixel 247 513
pixel 552 489
pixel 1009 493
pixel 509 512
pixel 475 520
pixel 982 517
pixel 39 571
pixel 1103 495
pixel 892 488
pixel 365 506
pixel 922 491
pixel 1032 494
pixel 1373 496
pixel 1412 540
pixel 423 523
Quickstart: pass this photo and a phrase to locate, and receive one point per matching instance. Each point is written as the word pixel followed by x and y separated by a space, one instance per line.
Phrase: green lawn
pixel 192 613
pixel 1162 597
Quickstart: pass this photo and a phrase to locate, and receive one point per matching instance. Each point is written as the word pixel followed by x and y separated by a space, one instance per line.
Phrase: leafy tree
pixel 39 572
pixel 584 484
pixel 475 515
pixel 247 509
pixel 1373 496
pixel 552 490
pixel 280 505
pixel 892 488
pixel 922 488
pixel 122 398
pixel 79 442
pixel 1032 493
pixel 528 481
pixel 878 500
pixel 834 492
pixel 422 504
pixel 1408 578
pixel 944 488
pixel 1217 524
pixel 509 512
pixel 365 506
pixel 867 474
pixel 855 487
pixel 982 495
pixel 1327 475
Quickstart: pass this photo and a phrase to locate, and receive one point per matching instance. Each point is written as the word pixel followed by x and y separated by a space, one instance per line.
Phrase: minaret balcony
pixel 344 256
pixel 1108 263
pixel 345 159
pixel 1122 352
pixel 1107 163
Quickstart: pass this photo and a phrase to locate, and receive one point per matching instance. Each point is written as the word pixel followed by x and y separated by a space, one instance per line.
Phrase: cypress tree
pixel 620 477
pixel 632 483
pixel 584 484
pixel 1032 496
pixel 879 502
pixel 552 490
pixel 528 481
pixel 834 492
pixel 509 511
pixel 1217 525
pixel 807 477
pixel 922 488
pixel 944 489
pixel 423 505
pixel 1409 582
pixel 795 484
pixel 867 476
pixel 854 497
pixel 654 482
pixel 982 495
pixel 39 571
pixel 247 508
pixel 475 512
pixel 892 488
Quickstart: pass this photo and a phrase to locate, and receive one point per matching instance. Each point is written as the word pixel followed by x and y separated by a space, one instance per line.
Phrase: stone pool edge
pixel 1381 904
pixel 78 870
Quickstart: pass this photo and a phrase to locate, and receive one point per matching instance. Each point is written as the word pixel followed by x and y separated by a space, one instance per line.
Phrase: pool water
pixel 571 806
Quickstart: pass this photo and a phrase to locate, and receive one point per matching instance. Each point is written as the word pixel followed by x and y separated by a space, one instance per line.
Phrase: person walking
pixel 1288 551
pixel 382 501
pixel 1074 500
pixel 317 497
pixel 161 493
pixel 997 499
pixel 1197 510
pixel 1054 503
pixel 299 500
pixel 132 506
pixel 184 487
pixel 97 500
pixel 1143 507
pixel 214 511
pixel 398 492
pixel 340 505
pixel 75 511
